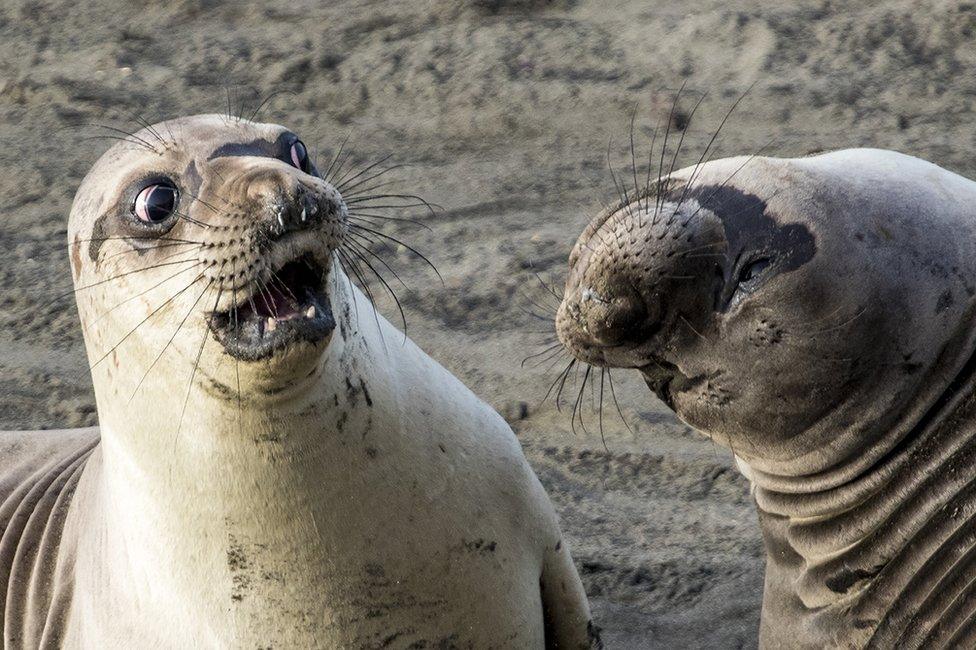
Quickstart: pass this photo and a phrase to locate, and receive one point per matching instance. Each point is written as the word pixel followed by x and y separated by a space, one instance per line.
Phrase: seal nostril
pixel 613 320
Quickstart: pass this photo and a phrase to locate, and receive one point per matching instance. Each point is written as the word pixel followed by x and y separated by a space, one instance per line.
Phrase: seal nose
pixel 291 204
pixel 300 211
pixel 592 321
pixel 611 320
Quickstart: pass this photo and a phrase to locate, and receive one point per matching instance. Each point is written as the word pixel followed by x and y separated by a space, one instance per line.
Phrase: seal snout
pixel 596 320
pixel 631 272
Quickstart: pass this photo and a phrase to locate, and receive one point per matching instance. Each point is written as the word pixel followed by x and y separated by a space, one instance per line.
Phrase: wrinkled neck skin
pixel 875 550
pixel 180 512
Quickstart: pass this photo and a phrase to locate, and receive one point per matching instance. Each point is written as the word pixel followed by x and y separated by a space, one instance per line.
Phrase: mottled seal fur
pixel 816 316
pixel 276 465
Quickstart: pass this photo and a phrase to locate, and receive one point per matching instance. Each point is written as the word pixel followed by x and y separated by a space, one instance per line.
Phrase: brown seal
pixel 816 316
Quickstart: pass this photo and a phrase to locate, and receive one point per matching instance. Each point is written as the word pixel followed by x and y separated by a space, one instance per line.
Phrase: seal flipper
pixel 565 610
pixel 38 474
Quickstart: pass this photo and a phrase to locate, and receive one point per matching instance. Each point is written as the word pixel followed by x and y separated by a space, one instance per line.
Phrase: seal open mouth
pixel 292 307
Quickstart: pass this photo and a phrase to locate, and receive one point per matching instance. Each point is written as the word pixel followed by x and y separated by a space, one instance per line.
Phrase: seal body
pixel 276 465
pixel 816 316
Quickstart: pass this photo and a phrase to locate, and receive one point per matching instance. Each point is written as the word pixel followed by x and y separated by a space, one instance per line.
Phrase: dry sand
pixel 503 109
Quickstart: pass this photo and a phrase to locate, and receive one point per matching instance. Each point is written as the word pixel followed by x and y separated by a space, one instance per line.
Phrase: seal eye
pixel 155 203
pixel 753 270
pixel 299 156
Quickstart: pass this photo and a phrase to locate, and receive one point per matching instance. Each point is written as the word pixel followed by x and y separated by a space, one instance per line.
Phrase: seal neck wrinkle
pixel 886 543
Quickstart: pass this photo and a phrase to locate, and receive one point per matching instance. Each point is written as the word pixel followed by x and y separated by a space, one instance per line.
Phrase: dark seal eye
pixel 156 203
pixel 752 271
pixel 299 156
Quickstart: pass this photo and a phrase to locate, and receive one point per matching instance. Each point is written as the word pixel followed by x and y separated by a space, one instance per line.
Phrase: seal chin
pixel 293 309
pixel 665 380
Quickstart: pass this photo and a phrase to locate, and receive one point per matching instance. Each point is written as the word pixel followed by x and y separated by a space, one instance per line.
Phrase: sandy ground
pixel 503 110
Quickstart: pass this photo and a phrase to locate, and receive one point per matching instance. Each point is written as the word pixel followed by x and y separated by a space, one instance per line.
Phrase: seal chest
pixel 816 316
pixel 270 469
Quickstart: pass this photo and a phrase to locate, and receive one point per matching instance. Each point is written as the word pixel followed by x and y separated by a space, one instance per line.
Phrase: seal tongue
pixel 278 302
pixel 286 295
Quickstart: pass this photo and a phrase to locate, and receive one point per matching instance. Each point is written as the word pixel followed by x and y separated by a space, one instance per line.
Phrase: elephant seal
pixel 817 317
pixel 275 465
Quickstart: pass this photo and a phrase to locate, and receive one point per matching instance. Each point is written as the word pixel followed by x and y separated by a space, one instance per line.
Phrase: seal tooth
pixel 303 215
pixel 310 312
pixel 271 324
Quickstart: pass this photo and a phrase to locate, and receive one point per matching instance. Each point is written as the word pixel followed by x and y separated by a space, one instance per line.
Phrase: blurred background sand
pixel 503 111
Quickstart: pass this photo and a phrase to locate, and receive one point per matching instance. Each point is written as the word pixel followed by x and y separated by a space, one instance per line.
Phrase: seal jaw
pixel 293 307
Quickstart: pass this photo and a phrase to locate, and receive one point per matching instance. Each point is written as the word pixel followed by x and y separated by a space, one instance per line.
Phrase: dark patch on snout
pixel 748 226
pixel 256 147
pixel 192 179
pixel 98 236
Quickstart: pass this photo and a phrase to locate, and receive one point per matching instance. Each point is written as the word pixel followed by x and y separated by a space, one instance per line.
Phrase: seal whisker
pixel 118 139
pixel 382 280
pixel 114 277
pixel 362 191
pixel 603 437
pixel 104 239
pixel 342 145
pixel 237 361
pixel 276 279
pixel 150 129
pixel 264 102
pixel 547 352
pixel 684 132
pixel 342 157
pixel 420 201
pixel 141 293
pixel 366 249
pixel 361 278
pixel 173 337
pixel 126 136
pixel 578 403
pixel 721 185
pixel 633 156
pixel 397 241
pixel 546 285
pixel 358 187
pixel 692 328
pixel 698 165
pixel 545 308
pixel 350 176
pixel 621 192
pixel 560 379
pixel 196 197
pixel 664 149
pixel 150 248
pixel 265 292
pixel 196 362
pixel 365 216
pixel 647 178
pixel 155 311
pixel 186 217
pixel 613 395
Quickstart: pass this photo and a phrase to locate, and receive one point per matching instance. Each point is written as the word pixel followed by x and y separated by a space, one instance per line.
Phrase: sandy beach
pixel 503 113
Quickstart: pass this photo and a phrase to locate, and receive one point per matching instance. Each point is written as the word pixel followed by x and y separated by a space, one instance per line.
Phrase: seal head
pixel 747 292
pixel 207 226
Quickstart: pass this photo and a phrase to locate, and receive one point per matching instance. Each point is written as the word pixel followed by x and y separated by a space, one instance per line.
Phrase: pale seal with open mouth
pixel 275 464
